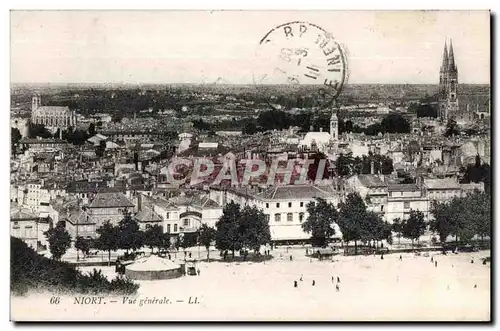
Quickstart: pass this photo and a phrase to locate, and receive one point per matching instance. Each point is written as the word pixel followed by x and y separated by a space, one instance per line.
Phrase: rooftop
pixel 110 200
pixel 297 192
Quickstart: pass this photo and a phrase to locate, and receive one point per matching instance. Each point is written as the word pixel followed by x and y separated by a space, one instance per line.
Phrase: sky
pixel 200 46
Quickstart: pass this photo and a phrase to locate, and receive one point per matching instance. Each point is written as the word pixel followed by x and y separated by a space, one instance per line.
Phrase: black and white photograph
pixel 250 165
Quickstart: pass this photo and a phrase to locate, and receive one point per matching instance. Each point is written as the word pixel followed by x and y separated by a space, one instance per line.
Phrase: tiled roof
pixel 147 215
pixel 403 187
pixel 110 200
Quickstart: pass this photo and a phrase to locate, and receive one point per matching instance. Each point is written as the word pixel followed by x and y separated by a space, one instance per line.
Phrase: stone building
pixel 52 117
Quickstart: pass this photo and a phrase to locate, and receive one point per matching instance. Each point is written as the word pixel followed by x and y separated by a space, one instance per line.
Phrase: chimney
pixel 372 168
pixel 311 128
pixel 320 129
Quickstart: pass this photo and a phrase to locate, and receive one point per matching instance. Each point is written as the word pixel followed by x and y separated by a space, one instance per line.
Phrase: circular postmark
pixel 303 57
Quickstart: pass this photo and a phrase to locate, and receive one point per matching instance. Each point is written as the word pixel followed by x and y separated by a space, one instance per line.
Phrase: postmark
pixel 304 57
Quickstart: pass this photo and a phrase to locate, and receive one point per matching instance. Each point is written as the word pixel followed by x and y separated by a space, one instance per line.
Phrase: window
pixel 175 227
pixel 301 217
pixel 289 217
pixel 168 228
pixel 407 204
pixel 302 204
pixel 267 217
pixel 382 208
pixel 267 205
pixel 277 217
pixel 168 215
pixel 289 205
pixel 277 205
pixel 186 222
pixel 148 226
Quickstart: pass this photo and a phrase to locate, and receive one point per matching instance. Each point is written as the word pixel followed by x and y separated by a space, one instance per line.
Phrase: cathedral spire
pixel 444 65
pixel 451 58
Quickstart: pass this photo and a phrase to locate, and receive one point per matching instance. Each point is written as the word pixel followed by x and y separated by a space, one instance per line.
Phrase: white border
pixel 185 4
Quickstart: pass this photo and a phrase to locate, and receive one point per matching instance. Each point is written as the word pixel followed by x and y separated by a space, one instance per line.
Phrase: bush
pixel 30 271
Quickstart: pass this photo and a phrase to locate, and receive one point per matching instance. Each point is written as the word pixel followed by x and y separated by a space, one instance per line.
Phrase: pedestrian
pixel 300 278
pixel 337 287
pixel 189 254
pixel 198 271
pixel 400 258
pixel 169 257
pixel 475 285
pixel 432 259
pixel 295 283
pixel 382 256
pixel 338 279
pixel 307 251
pixel 333 280
pixel 291 258
pixel 314 282
pixel 435 264
pixel 472 261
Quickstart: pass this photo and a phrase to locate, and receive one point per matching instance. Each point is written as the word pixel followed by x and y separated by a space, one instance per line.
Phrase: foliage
pixel 38 130
pixel 206 235
pixel 227 237
pixel 352 214
pixel 397 228
pixel 320 221
pixel 59 240
pixel 109 238
pixel 82 244
pixel 15 136
pixel 238 229
pixel 30 270
pixel 426 110
pixel 463 217
pixel 130 236
pixel 153 237
pixel 413 227
pixel 451 128
pixel 346 165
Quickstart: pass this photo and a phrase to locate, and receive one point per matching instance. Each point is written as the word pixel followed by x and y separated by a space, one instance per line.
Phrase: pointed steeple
pixel 451 58
pixel 444 65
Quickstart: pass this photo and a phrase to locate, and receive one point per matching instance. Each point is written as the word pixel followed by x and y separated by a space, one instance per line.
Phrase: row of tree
pixel 281 120
pixel 346 165
pixel 463 217
pixel 355 221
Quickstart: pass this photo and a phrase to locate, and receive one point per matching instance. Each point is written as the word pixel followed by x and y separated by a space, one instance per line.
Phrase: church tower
pixel 36 101
pixel 448 82
pixel 334 127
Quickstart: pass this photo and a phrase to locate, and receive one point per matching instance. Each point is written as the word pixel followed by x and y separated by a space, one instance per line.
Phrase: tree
pixel 250 128
pixel 352 212
pixel 59 240
pixel 91 130
pixel 226 238
pixel 253 229
pixel 397 228
pixel 82 244
pixel 130 235
pixel 320 221
pixel 413 227
pixel 153 237
pixel 38 130
pixel 451 128
pixel 206 235
pixel 395 123
pixel 15 136
pixel 426 110
pixel 109 238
